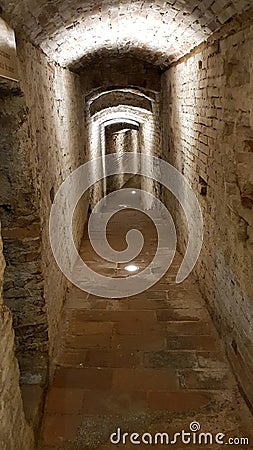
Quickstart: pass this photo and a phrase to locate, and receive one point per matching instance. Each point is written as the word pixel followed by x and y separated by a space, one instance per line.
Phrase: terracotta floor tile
pixel 114 358
pixel 182 314
pixel 78 327
pixel 190 328
pixel 192 343
pixel 157 292
pixel 148 362
pixel 98 341
pixel 83 378
pixel 136 327
pixel 205 379
pixel 212 359
pixel 77 302
pixel 118 305
pixel 107 403
pixel 185 303
pixel 71 357
pixel 64 401
pixel 178 401
pixel 115 316
pixel 140 342
pixel 172 359
pixel 145 379
pixel 60 428
pixel 148 303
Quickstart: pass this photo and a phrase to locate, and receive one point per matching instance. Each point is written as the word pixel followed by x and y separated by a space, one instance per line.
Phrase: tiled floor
pixel 149 363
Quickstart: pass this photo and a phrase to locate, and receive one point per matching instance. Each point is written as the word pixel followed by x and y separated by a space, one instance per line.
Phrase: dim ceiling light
pixel 131 268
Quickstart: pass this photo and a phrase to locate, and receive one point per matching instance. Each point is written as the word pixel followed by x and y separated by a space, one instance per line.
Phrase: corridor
pixel 137 111
pixel 146 364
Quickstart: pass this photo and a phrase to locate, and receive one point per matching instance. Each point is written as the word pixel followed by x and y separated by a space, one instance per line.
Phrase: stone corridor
pixel 143 84
pixel 147 363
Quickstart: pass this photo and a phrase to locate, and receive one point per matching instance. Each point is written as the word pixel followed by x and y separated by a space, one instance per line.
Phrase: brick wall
pixel 42 141
pixel 110 87
pixel 14 431
pixel 157 31
pixel 125 140
pixel 148 137
pixel 208 136
pixel 56 148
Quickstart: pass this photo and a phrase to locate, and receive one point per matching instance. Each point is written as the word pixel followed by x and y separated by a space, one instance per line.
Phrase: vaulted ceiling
pixel 72 31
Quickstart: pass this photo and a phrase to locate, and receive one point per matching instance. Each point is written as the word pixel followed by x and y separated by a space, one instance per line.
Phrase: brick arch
pixel 119 97
pixel 149 136
pixel 105 74
pixel 121 125
pixel 156 31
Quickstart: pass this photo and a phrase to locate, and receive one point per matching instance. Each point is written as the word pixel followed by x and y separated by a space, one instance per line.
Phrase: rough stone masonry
pixel 14 429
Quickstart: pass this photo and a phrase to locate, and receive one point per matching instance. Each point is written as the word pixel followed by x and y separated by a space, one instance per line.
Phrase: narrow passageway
pixel 152 99
pixel 146 364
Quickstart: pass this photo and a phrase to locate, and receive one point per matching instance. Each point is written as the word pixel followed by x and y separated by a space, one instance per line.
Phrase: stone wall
pixel 42 141
pixel 19 212
pixel 208 136
pixel 14 431
pixel 57 146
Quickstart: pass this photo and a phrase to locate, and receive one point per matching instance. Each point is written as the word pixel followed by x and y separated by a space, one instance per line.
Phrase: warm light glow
pixel 131 268
pixel 99 121
pixel 127 33
pixel 133 192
